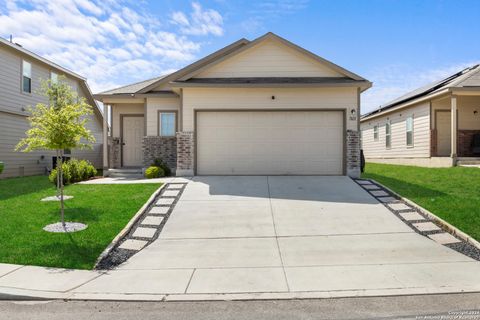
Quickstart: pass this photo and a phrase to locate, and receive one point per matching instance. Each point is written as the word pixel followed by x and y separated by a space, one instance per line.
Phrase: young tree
pixel 58 126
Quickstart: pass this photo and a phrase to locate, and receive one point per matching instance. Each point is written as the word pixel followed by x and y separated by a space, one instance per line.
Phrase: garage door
pixel 270 143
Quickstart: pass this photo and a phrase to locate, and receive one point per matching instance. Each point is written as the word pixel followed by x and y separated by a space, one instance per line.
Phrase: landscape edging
pixel 446 226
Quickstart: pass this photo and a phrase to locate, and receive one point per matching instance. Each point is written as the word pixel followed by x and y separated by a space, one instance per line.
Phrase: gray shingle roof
pixel 134 87
pixel 272 80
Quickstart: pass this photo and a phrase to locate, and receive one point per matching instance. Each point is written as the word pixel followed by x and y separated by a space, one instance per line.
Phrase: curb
pixel 444 224
pixel 129 226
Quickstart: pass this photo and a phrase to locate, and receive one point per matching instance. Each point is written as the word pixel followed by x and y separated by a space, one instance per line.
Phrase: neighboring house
pixel 21 72
pixel 431 126
pixel 252 108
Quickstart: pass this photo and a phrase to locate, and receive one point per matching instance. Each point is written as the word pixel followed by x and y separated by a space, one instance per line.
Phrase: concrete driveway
pixel 302 236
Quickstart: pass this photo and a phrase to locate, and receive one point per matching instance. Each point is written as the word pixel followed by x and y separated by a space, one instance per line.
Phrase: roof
pixel 463 78
pixel 132 88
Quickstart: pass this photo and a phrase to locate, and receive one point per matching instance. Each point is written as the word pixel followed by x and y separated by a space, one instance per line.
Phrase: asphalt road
pixel 406 307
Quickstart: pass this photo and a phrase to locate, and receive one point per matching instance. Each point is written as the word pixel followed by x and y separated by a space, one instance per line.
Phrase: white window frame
pixel 388 134
pixel 29 76
pixel 375 132
pixel 162 112
pixel 409 130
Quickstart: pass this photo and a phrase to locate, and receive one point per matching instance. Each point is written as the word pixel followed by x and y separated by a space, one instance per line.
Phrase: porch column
pixel 105 137
pixel 454 126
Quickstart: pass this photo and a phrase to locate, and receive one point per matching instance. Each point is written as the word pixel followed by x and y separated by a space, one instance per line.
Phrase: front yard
pixel 105 208
pixel 453 194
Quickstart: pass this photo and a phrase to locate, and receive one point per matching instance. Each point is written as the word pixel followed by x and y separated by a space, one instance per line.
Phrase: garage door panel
pixel 270 142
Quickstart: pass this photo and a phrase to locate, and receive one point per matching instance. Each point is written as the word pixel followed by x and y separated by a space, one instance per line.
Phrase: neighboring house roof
pixel 82 80
pixel 468 77
pixel 184 76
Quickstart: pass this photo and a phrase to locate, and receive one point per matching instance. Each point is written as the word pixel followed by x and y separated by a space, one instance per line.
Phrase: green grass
pixel 451 193
pixel 105 208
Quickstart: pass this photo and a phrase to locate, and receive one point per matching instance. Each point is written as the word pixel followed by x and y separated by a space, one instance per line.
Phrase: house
pixel 261 107
pixel 432 126
pixel 21 72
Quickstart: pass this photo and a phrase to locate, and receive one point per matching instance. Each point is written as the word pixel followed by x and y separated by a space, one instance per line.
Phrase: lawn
pixel 451 193
pixel 105 208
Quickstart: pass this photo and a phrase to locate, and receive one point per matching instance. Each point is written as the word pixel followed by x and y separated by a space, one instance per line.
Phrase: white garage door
pixel 270 143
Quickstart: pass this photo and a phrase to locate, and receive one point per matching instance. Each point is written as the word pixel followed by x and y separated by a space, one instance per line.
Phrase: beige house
pixel 21 72
pixel 432 126
pixel 256 107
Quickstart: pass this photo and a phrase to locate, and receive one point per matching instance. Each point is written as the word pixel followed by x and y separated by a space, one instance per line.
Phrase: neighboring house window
pixel 409 130
pixel 375 133
pixel 26 77
pixel 53 77
pixel 388 134
pixel 167 123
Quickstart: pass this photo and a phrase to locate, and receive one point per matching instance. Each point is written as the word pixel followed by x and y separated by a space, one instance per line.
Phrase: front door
pixel 132 134
pixel 444 133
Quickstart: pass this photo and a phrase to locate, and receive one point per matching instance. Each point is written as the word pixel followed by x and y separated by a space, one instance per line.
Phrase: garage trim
pixel 343 110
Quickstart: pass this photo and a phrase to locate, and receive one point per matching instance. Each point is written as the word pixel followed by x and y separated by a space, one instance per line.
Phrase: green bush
pixel 154 172
pixel 74 171
pixel 158 162
pixel 1 166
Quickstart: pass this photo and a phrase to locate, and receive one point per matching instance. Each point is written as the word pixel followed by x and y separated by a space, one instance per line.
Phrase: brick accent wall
pixel 464 140
pixel 160 147
pixel 185 153
pixel 113 152
pixel 353 154
pixel 433 143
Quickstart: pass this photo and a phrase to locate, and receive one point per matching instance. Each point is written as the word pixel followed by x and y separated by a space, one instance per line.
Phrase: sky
pixel 399 45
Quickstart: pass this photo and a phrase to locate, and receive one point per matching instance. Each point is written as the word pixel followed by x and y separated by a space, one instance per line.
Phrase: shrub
pixel 154 172
pixel 1 166
pixel 74 171
pixel 158 162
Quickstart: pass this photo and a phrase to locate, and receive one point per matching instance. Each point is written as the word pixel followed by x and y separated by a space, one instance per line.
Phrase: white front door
pixel 133 131
pixel 444 133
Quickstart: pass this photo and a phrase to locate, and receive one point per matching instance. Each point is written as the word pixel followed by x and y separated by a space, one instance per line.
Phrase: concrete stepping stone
pixel 426 226
pixel 175 187
pixel 142 232
pixel 399 206
pixel 443 238
pixel 387 199
pixel 411 216
pixel 165 201
pixel 131 244
pixel 364 182
pixel 379 193
pixel 55 198
pixel 371 187
pixel 159 210
pixel 151 220
pixel 171 193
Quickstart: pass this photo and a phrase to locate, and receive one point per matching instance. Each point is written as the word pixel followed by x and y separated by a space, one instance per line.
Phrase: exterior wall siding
pixel 154 105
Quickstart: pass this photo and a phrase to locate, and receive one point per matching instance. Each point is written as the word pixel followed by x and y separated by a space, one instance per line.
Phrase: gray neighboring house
pixel 21 72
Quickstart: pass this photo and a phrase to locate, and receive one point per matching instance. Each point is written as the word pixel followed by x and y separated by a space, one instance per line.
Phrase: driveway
pixel 287 235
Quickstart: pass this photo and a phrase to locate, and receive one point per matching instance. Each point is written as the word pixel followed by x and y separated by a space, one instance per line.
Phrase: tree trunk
pixel 58 175
pixel 60 171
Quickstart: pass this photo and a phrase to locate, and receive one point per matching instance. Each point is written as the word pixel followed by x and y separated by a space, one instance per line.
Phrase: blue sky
pixel 397 44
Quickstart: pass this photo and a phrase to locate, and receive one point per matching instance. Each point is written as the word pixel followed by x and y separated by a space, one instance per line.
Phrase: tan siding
pixel 261 98
pixel 421 134
pixel 268 59
pixel 155 104
pixel 119 109
pixel 467 119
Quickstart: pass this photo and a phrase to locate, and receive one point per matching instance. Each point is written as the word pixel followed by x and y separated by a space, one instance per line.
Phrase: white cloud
pixel 393 81
pixel 109 42
pixel 201 22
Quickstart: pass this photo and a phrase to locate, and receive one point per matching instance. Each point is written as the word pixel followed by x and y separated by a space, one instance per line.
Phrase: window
pixel 375 133
pixel 409 131
pixel 26 77
pixel 53 77
pixel 388 134
pixel 167 124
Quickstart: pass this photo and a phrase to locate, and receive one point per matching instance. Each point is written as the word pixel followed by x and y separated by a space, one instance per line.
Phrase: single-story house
pixel 432 126
pixel 21 72
pixel 261 107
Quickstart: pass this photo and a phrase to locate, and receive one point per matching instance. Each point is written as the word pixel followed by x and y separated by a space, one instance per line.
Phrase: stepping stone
pixel 379 193
pixel 174 187
pixel 151 220
pixel 159 210
pixel 443 238
pixel 135 245
pixel 55 198
pixel 165 201
pixel 363 182
pixel 143 232
pixel 426 226
pixel 399 206
pixel 387 199
pixel 170 193
pixel 411 216
pixel 371 187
